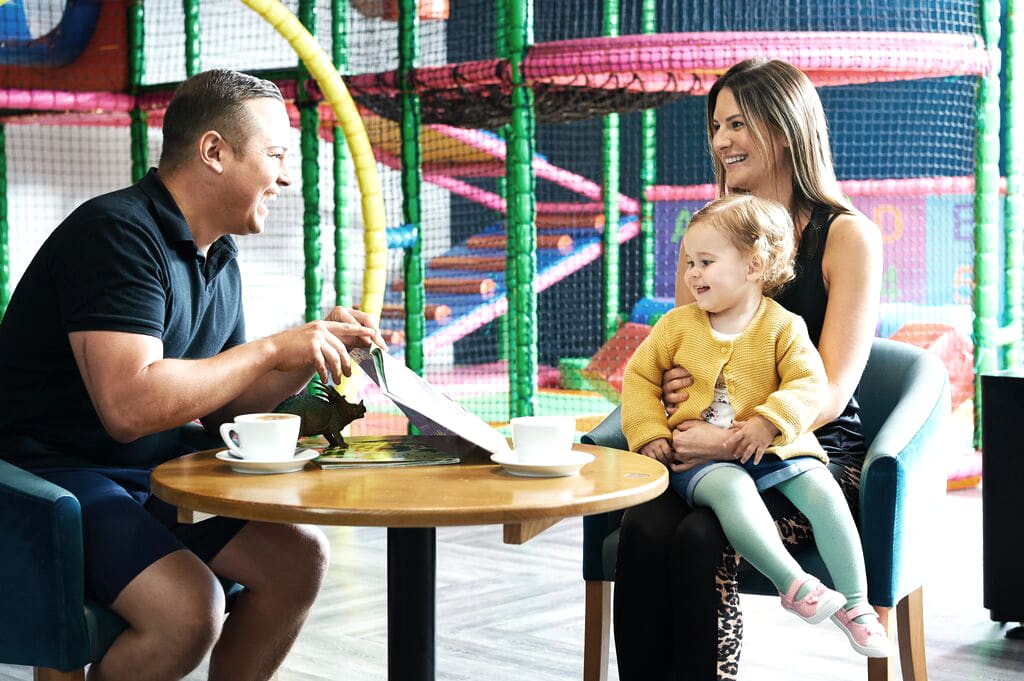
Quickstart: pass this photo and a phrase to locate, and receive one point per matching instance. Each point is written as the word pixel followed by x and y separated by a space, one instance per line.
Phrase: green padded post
pixel 193 63
pixel 610 159
pixel 648 169
pixel 412 181
pixel 986 214
pixel 137 130
pixel 1013 230
pixel 521 272
pixel 309 145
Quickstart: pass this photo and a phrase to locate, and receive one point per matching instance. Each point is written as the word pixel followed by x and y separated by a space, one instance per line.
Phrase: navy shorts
pixel 125 529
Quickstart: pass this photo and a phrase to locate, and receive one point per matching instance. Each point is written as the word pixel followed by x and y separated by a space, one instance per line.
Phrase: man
pixel 128 324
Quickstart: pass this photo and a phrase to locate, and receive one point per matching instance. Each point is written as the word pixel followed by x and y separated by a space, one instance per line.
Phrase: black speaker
pixel 1002 493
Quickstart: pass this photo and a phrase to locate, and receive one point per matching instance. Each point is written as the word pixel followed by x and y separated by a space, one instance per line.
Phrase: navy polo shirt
pixel 124 261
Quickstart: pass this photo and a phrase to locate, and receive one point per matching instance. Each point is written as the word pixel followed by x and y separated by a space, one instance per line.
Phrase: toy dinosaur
pixel 324 412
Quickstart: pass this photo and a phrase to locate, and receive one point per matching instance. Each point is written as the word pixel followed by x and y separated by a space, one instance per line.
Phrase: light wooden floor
pixel 515 613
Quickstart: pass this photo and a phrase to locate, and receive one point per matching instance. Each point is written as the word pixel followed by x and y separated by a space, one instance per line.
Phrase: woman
pixel 676 601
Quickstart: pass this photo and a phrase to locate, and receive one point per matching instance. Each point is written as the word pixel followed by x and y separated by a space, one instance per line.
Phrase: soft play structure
pixel 538 163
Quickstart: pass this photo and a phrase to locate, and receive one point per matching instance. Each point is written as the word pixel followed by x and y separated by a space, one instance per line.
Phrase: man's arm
pixel 137 392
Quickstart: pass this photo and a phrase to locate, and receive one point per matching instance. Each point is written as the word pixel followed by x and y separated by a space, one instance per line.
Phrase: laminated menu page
pixel 386 451
pixel 426 407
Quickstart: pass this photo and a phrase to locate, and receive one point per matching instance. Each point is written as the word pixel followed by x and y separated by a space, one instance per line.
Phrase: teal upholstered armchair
pixel 45 620
pixel 904 398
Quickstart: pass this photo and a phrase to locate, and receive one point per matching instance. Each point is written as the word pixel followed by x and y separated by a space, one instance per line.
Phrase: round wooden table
pixel 412 502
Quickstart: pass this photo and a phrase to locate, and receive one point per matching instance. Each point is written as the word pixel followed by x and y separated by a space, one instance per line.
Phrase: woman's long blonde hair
pixel 777 97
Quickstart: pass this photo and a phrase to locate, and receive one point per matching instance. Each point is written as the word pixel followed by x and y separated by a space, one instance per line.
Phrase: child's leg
pixel 817 495
pixel 730 492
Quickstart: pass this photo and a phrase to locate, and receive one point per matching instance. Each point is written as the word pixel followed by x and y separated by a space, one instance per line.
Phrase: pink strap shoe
pixel 867 639
pixel 817 604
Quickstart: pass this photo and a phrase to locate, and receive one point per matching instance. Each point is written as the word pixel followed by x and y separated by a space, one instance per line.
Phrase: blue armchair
pixel 45 620
pixel 904 397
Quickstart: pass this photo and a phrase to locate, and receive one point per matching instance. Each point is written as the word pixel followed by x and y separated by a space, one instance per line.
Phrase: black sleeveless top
pixel 805 295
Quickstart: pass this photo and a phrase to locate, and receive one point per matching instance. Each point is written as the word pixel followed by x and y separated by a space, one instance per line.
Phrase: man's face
pixel 255 172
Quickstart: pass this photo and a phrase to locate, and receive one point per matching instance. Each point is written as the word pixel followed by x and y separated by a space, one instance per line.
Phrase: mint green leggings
pixel 732 495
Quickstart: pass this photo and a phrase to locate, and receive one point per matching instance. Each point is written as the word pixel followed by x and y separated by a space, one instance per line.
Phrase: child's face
pixel 718 275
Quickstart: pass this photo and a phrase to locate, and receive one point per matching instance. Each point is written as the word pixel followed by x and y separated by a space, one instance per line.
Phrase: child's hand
pixel 750 438
pixel 660 449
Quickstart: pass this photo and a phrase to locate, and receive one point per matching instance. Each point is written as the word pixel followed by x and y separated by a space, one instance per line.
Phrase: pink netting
pixel 914 186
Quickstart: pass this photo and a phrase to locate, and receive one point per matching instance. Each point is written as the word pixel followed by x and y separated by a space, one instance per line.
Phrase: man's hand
pixel 347 316
pixel 323 345
pixel 674 383
pixel 750 438
pixel 660 450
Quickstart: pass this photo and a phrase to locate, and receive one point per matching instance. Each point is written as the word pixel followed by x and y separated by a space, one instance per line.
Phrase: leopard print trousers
pixel 795 530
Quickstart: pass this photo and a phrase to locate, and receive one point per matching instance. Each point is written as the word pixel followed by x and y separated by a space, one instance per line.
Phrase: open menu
pixel 427 408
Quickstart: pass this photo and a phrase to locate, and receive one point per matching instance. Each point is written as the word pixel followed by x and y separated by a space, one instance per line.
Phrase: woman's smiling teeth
pixel 729 160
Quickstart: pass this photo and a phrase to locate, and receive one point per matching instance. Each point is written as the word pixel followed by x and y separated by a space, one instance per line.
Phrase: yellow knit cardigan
pixel 771 369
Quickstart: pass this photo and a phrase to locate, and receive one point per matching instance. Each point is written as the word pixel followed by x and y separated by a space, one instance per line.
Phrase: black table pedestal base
pixel 412 572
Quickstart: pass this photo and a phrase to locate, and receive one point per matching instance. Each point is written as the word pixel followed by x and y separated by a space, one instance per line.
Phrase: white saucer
pixel 297 463
pixel 559 466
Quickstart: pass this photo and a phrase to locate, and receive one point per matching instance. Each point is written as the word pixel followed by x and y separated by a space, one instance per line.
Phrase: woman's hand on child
pixel 751 437
pixel 674 383
pixel 696 442
pixel 660 449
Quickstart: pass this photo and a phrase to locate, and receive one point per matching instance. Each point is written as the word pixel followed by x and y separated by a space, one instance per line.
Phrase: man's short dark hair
pixel 211 100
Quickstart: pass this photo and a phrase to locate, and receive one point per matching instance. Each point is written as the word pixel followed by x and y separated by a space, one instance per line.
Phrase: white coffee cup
pixel 538 439
pixel 262 437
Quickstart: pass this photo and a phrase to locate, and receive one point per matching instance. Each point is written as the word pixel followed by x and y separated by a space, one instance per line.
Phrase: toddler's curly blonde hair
pixel 755 226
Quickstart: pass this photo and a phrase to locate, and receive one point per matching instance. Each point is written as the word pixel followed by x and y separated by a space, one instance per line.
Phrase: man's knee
pixel 178 605
pixel 198 622
pixel 287 561
pixel 313 552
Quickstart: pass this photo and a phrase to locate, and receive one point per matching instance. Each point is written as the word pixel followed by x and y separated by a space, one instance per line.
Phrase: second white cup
pixel 538 439
pixel 262 437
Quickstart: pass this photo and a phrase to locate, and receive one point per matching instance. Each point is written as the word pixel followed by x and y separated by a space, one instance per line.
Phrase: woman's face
pixel 747 166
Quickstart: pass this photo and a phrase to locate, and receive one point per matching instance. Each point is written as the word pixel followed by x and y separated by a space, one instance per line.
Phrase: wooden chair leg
pixel 596 631
pixel 910 625
pixel 884 668
pixel 48 674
